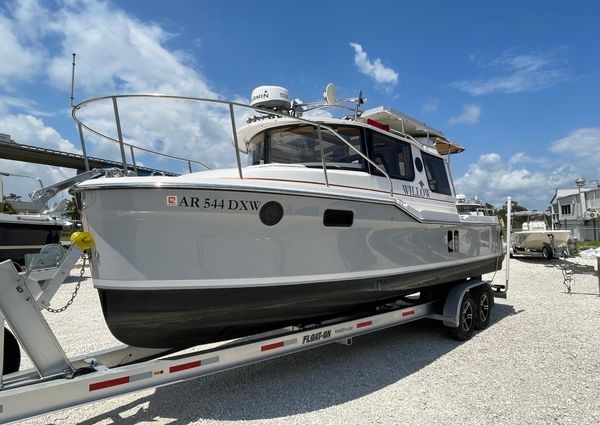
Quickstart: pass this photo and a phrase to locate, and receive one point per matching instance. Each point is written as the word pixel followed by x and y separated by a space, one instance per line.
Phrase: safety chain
pixel 568 273
pixel 68 304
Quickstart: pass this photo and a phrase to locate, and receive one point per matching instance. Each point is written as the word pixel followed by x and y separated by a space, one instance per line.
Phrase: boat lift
pixel 57 383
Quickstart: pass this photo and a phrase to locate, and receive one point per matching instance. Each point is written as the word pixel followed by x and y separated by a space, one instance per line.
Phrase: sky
pixel 517 83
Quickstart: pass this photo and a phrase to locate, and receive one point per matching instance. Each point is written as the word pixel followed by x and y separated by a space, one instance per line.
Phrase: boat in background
pixel 330 216
pixel 27 233
pixel 535 237
pixel 22 234
pixel 472 206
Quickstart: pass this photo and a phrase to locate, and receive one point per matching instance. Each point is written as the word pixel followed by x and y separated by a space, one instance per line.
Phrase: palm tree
pixel 73 210
pixel 7 207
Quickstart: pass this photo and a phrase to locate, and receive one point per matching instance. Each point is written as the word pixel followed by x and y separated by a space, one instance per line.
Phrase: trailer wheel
pixel 466 319
pixel 484 301
pixel 12 353
pixel 547 252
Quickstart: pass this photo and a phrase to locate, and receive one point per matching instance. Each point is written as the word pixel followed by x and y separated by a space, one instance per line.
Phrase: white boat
pixel 535 237
pixel 467 206
pixel 218 254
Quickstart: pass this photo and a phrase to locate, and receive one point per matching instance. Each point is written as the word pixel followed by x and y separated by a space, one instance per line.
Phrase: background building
pixel 578 209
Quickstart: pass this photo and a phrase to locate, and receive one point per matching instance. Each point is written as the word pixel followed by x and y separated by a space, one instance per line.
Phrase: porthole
pixel 271 213
pixel 419 164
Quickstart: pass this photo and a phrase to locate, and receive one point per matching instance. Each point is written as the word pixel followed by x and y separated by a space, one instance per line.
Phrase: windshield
pixel 300 145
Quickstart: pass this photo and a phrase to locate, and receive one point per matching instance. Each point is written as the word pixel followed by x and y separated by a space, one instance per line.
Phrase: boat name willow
pixel 416 191
pixel 214 203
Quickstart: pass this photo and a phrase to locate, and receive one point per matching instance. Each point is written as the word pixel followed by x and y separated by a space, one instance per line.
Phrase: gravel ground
pixel 538 362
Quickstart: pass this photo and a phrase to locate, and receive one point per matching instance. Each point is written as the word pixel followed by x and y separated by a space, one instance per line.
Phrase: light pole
pixel 2 173
pixel 580 182
pixel 5 174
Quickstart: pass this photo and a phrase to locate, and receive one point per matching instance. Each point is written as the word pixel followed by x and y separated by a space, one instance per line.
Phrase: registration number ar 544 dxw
pixel 213 203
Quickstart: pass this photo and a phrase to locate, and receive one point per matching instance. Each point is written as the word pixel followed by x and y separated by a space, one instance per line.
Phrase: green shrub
pixel 583 245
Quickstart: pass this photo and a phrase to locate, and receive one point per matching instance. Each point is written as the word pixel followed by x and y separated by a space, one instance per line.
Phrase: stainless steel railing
pixel 122 144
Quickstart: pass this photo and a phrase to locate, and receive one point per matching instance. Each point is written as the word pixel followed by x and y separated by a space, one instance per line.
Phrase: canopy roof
pixel 402 123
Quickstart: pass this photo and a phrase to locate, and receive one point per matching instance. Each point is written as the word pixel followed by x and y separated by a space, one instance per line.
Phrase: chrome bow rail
pixel 122 144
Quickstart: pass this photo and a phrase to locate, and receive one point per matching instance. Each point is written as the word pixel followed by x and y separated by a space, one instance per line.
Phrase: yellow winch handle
pixel 83 240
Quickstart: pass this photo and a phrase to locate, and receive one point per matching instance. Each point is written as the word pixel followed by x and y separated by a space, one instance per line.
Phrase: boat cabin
pixel 533 220
pixel 403 157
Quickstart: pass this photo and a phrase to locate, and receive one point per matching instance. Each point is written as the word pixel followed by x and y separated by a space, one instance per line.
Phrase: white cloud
pixel 115 53
pixel 30 130
pixel 386 77
pixel 582 142
pixel 20 62
pixel 318 113
pixel 516 73
pixel 470 115
pixel 27 105
pixel 522 158
pixel 431 105
pixel 581 146
pixel 493 179
pixel 118 52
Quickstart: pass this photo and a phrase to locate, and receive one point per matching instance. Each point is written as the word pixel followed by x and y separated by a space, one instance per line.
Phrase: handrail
pixel 230 104
pixel 104 136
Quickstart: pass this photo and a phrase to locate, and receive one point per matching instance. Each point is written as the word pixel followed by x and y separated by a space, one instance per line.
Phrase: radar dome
pixel 270 97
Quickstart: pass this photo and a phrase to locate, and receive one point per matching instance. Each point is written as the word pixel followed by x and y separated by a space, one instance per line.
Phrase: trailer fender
pixel 451 315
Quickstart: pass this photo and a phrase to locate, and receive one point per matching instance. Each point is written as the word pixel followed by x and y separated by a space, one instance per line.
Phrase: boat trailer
pixel 56 382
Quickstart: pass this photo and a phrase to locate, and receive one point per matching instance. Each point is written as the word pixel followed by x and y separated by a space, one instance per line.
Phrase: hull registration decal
pixel 213 203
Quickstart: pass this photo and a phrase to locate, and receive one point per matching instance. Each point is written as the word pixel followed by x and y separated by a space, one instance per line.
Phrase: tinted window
pixel 300 145
pixel 435 169
pixel 256 152
pixel 392 155
pixel 419 164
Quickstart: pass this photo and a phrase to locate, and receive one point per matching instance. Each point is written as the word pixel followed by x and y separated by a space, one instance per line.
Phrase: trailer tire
pixel 484 302
pixel 12 353
pixel 466 319
pixel 547 253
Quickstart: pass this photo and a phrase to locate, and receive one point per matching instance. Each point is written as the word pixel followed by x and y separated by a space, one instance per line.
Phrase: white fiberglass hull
pixel 535 240
pixel 183 266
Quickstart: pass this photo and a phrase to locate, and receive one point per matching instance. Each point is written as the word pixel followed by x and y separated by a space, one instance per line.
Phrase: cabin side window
pixel 256 153
pixel 435 169
pixel 393 156
pixel 300 145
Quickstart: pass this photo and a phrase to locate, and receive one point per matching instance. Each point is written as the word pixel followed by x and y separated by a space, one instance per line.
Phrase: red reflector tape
pixel 408 313
pixel 185 366
pixel 110 383
pixel 364 324
pixel 272 346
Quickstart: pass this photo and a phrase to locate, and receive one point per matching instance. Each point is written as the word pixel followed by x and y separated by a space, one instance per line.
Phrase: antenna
pixel 359 102
pixel 72 79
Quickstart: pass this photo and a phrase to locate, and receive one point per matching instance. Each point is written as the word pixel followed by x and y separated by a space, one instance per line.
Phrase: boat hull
pixel 182 318
pixel 535 240
pixel 178 273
